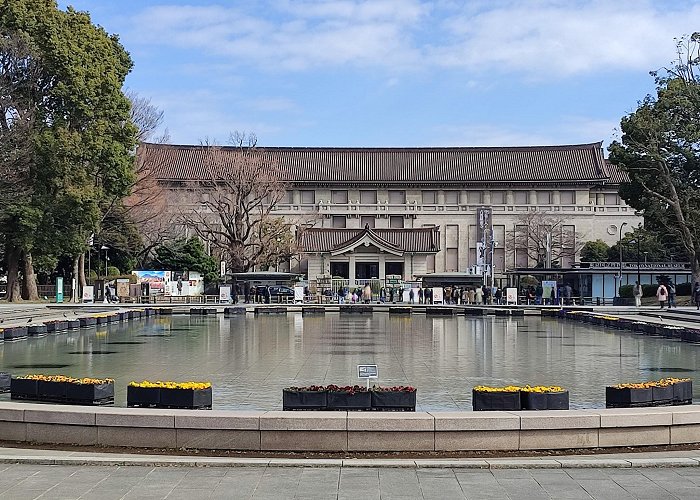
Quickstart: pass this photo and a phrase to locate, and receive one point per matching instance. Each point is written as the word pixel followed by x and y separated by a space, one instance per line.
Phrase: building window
pixel 474 197
pixel 430 263
pixel 451 260
pixel 287 198
pixel 396 221
pixel 498 197
pixel 521 197
pixel 544 197
pixel 611 199
pixel 394 268
pixel 397 198
pixel 339 196
pixel 429 197
pixel 308 197
pixel 567 197
pixel 368 197
pixel 451 197
pixel 339 221
pixel 367 220
pixel 340 269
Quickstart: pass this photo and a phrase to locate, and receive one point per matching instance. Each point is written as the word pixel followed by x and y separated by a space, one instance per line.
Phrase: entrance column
pixel 351 270
pixel 382 267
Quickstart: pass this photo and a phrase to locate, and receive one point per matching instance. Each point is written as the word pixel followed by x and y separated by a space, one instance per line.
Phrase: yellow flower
pixel 485 388
pixel 172 385
pixel 543 389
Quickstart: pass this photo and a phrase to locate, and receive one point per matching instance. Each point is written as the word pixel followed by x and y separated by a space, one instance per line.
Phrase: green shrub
pixel 626 291
pixel 113 271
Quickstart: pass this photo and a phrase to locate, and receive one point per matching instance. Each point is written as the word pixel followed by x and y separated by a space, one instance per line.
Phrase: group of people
pixel 666 294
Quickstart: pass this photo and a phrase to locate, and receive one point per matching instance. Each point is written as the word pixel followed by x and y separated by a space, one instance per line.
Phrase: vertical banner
pixel 484 234
pixel 223 268
pixel 59 290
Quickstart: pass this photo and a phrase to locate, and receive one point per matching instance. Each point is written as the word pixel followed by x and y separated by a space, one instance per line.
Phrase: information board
pixel 367 371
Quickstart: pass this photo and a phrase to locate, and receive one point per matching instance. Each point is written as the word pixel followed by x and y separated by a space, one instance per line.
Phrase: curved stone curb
pixel 568 462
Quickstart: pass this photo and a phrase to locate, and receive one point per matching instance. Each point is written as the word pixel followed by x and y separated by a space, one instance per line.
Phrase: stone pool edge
pixel 349 431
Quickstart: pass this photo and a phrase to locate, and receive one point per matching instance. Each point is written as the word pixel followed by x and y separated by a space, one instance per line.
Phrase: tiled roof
pixel 575 163
pixel 617 175
pixel 420 240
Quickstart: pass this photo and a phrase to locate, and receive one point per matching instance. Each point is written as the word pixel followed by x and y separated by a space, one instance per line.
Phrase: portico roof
pixel 394 241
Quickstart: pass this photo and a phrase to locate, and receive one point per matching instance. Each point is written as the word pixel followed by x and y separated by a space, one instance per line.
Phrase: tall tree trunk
pixel 30 288
pixel 14 290
pixel 76 277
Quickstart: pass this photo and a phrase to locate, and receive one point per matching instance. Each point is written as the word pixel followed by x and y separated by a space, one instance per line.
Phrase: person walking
pixel 470 296
pixel 696 295
pixel 662 295
pixel 410 296
pixel 420 295
pixel 671 295
pixel 478 295
pixel 637 292
pixel 499 295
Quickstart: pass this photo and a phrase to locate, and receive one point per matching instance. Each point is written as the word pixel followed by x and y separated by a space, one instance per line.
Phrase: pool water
pixel 249 360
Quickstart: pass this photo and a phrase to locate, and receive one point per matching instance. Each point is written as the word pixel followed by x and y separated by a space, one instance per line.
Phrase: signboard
pixel 225 294
pixel 122 287
pixel 88 294
pixel 511 296
pixel 437 295
pixel 59 290
pixel 298 294
pixel 547 287
pixel 223 268
pixel 367 371
pixel 392 279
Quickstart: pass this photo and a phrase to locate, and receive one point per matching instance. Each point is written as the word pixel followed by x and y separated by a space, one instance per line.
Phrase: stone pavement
pixel 85 475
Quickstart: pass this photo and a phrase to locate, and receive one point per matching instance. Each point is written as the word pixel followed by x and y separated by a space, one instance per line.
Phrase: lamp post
pixel 639 275
pixel 619 244
pixel 105 248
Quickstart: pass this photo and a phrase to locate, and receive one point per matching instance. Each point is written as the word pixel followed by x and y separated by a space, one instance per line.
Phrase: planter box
pixel 15 333
pixel 627 398
pixel 23 388
pixel 495 401
pixel 348 401
pixel 37 330
pixel 192 399
pixel 52 391
pixel 304 400
pixel 90 394
pixel 544 400
pixel 5 380
pixel 393 400
pixel 142 396
pixel 73 324
pixel 661 396
pixel 88 321
pixel 683 393
pixel 102 320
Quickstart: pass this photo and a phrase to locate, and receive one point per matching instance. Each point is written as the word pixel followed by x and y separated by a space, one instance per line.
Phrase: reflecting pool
pixel 250 359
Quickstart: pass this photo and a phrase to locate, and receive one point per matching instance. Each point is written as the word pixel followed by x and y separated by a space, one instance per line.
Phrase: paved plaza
pixel 25 481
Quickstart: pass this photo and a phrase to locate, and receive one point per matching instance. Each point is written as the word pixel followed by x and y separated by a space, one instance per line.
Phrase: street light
pixel 619 244
pixel 105 248
pixel 639 275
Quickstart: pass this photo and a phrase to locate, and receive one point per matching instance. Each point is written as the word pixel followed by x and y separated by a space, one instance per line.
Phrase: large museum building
pixel 414 212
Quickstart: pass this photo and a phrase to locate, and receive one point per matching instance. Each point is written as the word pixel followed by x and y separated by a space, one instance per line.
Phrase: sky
pixel 395 73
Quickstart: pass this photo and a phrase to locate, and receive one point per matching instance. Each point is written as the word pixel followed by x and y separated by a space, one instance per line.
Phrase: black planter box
pixel 683 392
pixel 37 330
pixel 231 311
pixel 52 391
pixel 56 326
pixel 192 399
pixel 304 400
pixel 627 398
pixel 394 400
pixel 142 396
pixel 348 401
pixel 165 311
pixel 482 401
pixel 102 320
pixel 662 395
pixel 24 388
pixel 88 322
pixel 544 400
pixel 15 333
pixel 5 380
pixel 90 394
pixel 73 324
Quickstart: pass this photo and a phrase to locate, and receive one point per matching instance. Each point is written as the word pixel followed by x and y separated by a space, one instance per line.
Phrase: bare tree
pixel 240 189
pixel 546 238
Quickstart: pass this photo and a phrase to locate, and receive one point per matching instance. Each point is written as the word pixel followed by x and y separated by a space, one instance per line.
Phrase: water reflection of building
pixel 413 211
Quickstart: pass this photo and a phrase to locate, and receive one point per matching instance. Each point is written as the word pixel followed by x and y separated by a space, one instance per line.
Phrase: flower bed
pixel 313 397
pixel 667 391
pixel 496 398
pixel 62 389
pixel 186 395
pixel 544 398
pixel 397 398
pixel 349 397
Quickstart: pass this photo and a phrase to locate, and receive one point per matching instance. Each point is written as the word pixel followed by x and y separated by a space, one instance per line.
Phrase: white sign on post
pixel 225 294
pixel 512 296
pixel 298 294
pixel 367 372
pixel 88 294
pixel 437 295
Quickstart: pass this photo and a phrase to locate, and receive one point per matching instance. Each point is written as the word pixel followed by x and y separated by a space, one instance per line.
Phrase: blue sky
pixel 398 73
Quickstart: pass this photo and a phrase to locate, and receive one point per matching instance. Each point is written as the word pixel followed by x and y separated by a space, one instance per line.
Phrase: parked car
pixel 281 291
